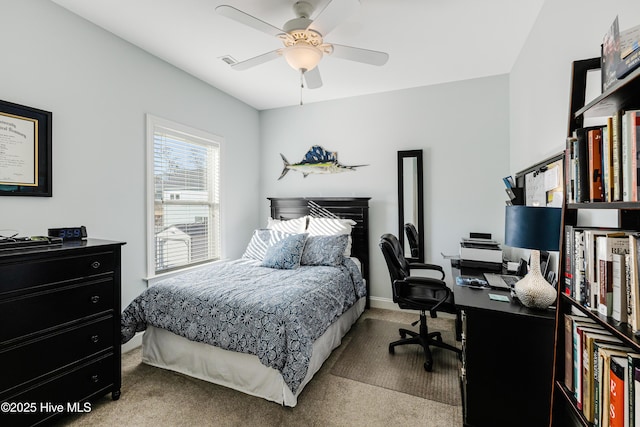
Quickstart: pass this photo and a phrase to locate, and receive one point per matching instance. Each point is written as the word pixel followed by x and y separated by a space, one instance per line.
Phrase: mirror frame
pixel 417 154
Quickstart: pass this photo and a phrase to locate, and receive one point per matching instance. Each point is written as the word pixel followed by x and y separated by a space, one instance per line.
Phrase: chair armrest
pixel 399 286
pixel 425 266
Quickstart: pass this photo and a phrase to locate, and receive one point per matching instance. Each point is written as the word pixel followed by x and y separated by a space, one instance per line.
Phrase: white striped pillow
pixel 293 226
pixel 261 241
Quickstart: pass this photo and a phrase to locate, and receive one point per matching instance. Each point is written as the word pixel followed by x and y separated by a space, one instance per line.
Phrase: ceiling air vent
pixel 228 59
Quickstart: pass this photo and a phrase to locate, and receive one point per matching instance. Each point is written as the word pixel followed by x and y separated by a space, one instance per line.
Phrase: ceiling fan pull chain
pixel 301 84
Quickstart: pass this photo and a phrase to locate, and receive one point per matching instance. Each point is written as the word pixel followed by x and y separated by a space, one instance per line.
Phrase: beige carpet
pixel 156 397
pixel 367 359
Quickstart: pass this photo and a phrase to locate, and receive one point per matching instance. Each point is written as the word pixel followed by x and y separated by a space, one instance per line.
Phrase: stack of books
pixel 480 253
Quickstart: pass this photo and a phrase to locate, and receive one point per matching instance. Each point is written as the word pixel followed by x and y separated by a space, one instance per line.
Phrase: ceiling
pixel 428 42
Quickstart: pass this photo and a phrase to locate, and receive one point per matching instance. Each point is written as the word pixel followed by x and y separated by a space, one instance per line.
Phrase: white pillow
pixel 331 226
pixel 293 226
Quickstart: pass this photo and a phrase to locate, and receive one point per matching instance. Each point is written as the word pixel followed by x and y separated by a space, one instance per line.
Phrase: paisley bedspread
pixel 240 306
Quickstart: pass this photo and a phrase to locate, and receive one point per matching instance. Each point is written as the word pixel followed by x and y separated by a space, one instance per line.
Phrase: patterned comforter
pixel 240 306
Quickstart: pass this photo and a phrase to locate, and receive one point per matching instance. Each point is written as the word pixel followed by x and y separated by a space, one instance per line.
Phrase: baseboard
pixel 388 304
pixel 385 303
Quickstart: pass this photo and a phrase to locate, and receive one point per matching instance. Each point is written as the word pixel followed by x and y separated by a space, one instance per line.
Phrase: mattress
pixel 240 371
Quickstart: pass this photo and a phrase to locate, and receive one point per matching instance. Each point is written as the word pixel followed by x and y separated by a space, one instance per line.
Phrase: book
pixel 634 135
pixel 633 361
pixel 616 149
pixel 580 291
pixel 617 403
pixel 629 156
pixel 605 247
pixel 568 352
pixel 628 64
pixel 591 282
pixel 607 165
pixel 619 285
pixel 610 55
pixel 629 41
pixel 581 165
pixel 636 397
pixel 589 366
pixel 633 314
pixel 594 147
pixel 603 352
pixel 569 172
pixel 591 269
pixel 571 322
pixel 569 260
pixel 578 357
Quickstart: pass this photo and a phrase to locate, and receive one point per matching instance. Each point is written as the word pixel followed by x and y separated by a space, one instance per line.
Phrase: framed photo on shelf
pixel 610 56
pixel 25 151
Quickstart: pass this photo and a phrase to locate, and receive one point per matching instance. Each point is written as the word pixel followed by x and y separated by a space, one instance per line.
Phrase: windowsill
pixel 152 280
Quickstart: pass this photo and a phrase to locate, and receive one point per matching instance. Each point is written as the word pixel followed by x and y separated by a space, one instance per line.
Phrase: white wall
pixel 462 128
pixel 99 89
pixel 540 81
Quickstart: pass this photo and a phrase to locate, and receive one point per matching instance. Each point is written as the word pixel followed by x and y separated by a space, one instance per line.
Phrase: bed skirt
pixel 240 371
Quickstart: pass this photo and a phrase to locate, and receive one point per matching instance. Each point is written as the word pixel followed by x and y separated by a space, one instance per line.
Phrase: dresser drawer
pixel 29 273
pixel 82 383
pixel 34 358
pixel 43 310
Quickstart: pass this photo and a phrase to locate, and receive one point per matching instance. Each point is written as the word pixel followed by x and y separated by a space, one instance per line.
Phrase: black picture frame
pixel 25 151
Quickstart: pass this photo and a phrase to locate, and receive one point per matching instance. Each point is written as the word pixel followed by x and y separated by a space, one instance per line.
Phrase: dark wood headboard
pixel 355 208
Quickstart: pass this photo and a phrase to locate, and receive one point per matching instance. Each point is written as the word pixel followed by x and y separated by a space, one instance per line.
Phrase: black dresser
pixel 59 329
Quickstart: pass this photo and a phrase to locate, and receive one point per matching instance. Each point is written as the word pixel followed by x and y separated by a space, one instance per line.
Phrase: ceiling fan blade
pixel 332 15
pixel 312 78
pixel 246 19
pixel 257 60
pixel 357 54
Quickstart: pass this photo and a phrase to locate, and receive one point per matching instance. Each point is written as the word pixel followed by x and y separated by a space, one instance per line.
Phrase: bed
pixel 276 360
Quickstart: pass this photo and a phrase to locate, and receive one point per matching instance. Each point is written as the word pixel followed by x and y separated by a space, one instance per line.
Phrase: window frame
pixel 152 124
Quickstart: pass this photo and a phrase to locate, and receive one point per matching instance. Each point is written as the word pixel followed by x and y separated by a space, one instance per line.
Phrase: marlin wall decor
pixel 317 160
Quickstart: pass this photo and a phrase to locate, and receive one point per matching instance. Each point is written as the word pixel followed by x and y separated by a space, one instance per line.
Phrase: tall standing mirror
pixel 410 203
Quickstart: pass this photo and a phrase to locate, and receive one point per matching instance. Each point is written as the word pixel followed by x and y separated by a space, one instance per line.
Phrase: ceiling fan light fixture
pixel 302 56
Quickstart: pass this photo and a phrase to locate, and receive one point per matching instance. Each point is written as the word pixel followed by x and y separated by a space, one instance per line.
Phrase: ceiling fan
pixel 303 39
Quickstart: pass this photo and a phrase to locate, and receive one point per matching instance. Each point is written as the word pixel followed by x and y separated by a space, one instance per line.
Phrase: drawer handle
pixel 95 264
pixel 95 338
pixel 95 378
pixel 95 299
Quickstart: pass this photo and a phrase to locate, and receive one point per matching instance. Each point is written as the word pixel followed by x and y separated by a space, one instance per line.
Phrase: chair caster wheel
pixel 391 350
pixel 403 335
pixel 439 338
pixel 428 366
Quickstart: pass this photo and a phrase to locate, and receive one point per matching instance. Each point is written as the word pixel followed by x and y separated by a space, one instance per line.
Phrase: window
pixel 183 197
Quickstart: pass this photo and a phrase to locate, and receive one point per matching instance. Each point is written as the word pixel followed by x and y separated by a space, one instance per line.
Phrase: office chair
pixel 412 239
pixel 418 293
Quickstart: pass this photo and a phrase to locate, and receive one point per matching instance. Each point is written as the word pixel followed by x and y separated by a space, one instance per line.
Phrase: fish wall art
pixel 317 160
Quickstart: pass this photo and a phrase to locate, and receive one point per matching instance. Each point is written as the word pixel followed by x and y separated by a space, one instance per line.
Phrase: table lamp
pixel 538 229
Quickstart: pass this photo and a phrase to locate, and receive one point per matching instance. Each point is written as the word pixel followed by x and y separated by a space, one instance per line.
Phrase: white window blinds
pixel 186 206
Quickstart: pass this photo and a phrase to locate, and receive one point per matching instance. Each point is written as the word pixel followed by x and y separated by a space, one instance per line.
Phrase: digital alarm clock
pixel 69 233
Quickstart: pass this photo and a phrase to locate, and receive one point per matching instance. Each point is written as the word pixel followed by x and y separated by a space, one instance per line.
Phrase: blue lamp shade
pixel 530 227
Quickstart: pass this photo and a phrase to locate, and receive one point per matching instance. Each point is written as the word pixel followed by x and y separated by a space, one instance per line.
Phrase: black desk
pixel 507 358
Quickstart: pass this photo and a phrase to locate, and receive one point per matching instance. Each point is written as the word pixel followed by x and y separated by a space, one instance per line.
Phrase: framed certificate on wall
pixel 25 151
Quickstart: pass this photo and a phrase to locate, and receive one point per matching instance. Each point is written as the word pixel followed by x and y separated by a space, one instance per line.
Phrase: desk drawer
pixel 35 358
pixel 43 310
pixel 78 385
pixel 37 272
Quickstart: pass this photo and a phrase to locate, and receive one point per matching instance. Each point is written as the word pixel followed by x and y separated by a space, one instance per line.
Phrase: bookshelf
pixel 625 95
